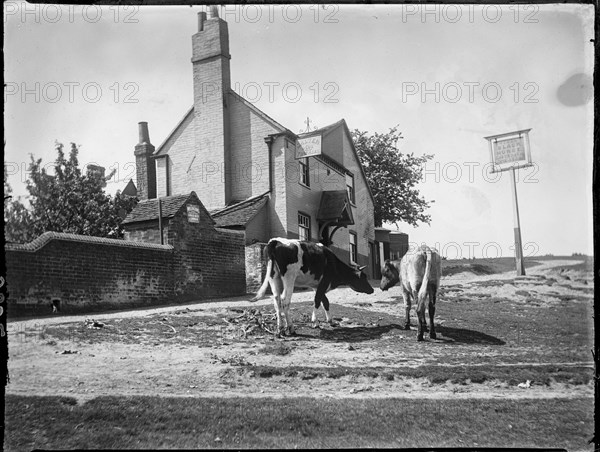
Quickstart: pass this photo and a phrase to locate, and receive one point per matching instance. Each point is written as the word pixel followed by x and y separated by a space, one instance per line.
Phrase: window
pixel 303 226
pixel 353 253
pixel 304 172
pixel 350 187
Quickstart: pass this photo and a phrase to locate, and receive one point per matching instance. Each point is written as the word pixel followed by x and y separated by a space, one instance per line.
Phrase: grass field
pixel 153 422
pixel 511 368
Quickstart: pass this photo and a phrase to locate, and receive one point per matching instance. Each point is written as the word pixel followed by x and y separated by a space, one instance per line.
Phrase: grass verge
pixel 152 422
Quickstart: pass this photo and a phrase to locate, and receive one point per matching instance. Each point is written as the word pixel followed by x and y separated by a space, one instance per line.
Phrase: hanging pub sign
pixel 308 146
pixel 509 150
pixel 193 213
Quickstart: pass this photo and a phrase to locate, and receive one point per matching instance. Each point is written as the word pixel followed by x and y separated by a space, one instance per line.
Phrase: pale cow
pixel 418 273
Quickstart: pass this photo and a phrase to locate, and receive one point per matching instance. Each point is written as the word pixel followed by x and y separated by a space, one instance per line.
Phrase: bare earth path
pixel 155 352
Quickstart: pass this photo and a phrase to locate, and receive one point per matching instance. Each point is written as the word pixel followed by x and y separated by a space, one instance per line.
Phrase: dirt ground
pixel 220 349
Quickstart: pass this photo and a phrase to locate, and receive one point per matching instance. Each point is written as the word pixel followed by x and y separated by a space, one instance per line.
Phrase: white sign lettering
pixel 306 147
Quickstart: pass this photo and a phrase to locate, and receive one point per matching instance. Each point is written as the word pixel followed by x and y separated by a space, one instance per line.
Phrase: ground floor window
pixel 303 226
pixel 353 250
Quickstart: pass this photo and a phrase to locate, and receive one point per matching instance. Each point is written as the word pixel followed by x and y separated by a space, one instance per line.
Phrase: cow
pixel 297 263
pixel 418 273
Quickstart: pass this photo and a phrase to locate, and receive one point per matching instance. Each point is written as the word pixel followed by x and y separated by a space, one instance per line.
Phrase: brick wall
pixel 162 177
pixel 208 261
pixel 277 205
pixel 184 166
pixel 249 152
pixel 146 232
pixel 255 266
pixel 86 274
pixel 91 273
pixel 257 228
pixel 363 211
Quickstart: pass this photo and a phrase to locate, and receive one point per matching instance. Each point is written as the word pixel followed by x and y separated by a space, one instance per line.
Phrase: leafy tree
pixel 68 201
pixel 17 219
pixel 392 176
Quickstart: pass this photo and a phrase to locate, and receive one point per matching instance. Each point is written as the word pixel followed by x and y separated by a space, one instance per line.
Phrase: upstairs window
pixel 350 187
pixel 303 226
pixel 304 172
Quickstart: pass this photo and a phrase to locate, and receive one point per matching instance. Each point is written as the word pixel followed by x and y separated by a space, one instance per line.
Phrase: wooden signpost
pixel 510 151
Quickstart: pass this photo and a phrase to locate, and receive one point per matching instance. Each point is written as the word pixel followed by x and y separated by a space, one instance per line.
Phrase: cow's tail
pixel 426 276
pixel 271 268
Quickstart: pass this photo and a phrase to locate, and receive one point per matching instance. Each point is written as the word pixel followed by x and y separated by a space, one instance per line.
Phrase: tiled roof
pixel 147 210
pixel 335 205
pixel 241 213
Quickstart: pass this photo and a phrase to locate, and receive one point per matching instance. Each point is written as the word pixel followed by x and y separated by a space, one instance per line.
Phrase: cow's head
pixel 359 281
pixel 389 276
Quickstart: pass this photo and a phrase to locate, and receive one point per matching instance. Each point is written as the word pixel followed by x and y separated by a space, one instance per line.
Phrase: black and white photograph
pixel 282 226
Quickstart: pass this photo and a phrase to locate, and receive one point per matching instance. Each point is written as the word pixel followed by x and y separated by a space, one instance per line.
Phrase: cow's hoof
pixel 407 326
pixel 292 332
pixel 419 338
pixel 315 325
pixel 432 335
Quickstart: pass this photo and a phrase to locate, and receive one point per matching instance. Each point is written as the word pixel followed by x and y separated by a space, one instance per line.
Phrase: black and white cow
pixel 418 273
pixel 296 263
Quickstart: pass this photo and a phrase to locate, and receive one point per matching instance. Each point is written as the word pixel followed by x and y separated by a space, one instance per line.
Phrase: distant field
pixel 505 264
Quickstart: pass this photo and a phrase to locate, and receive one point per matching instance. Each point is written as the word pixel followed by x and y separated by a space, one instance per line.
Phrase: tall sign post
pixel 508 152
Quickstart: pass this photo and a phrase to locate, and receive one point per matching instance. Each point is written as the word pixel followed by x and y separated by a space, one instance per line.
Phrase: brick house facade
pixel 249 171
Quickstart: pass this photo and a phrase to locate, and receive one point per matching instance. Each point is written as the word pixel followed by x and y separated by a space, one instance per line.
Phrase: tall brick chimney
pixel 144 164
pixel 212 82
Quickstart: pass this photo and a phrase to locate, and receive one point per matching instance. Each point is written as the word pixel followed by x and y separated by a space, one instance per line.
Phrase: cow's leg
pixel 326 307
pixel 277 289
pixel 432 296
pixel 314 320
pixel 420 315
pixel 320 297
pixel 287 301
pixel 406 295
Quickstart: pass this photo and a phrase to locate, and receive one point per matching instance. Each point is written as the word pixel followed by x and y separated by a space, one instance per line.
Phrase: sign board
pixel 308 146
pixel 193 213
pixel 510 150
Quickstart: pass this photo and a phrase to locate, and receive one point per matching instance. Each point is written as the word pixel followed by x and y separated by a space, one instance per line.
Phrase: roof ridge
pixel 258 110
pixel 239 204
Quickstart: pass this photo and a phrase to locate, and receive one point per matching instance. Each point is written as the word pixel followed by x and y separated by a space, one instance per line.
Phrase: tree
pixel 392 176
pixel 68 201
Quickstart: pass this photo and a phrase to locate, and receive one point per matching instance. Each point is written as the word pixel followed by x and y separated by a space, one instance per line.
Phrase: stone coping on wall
pixel 47 237
pixel 230 231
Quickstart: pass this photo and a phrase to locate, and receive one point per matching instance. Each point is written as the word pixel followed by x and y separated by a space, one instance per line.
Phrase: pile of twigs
pixel 252 319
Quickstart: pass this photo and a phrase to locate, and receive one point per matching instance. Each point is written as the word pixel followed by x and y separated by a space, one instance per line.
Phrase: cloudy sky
pixel 446 75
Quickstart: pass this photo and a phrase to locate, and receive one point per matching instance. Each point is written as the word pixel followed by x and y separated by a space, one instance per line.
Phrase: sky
pixel 446 75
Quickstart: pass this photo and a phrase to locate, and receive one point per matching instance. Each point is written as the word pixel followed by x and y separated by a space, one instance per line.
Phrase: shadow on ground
pixel 464 336
pixel 357 334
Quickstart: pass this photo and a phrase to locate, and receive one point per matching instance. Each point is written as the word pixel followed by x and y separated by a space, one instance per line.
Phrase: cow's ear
pixel 362 268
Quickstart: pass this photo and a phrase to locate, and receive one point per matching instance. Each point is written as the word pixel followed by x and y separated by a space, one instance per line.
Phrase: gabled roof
pixel 323 130
pixel 130 189
pixel 259 112
pixel 241 213
pixel 335 206
pixel 326 130
pixel 159 149
pixel 147 210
